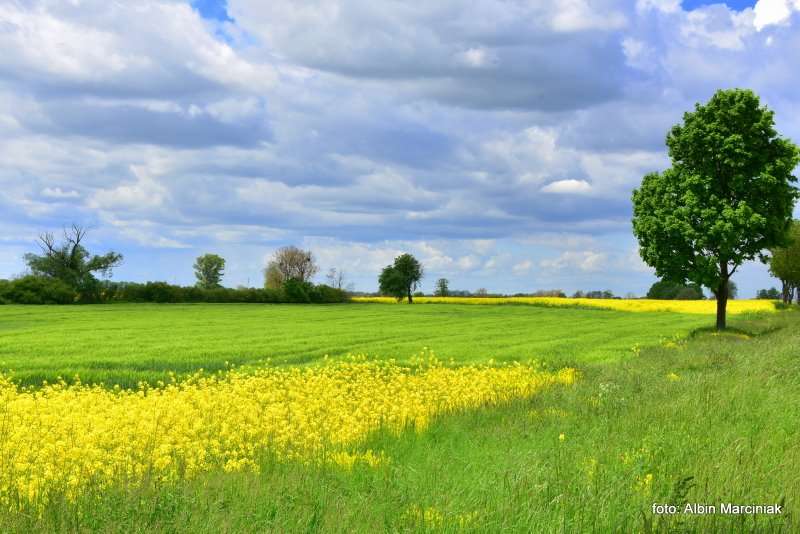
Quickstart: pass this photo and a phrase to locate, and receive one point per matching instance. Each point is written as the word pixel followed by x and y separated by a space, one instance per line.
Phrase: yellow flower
pixel 62 440
pixel 705 307
pixel 562 437
pixel 672 377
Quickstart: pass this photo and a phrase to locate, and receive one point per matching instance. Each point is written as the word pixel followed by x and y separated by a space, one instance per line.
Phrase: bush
pixel 41 290
pixel 37 290
pixel 297 291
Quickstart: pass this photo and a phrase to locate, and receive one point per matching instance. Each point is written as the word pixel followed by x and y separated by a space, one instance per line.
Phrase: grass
pixel 708 419
pixel 127 343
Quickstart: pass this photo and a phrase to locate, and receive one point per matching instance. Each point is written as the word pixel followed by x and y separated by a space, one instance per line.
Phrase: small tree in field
pixel 290 263
pixel 442 287
pixel 208 269
pixel 785 265
pixel 728 196
pixel 400 279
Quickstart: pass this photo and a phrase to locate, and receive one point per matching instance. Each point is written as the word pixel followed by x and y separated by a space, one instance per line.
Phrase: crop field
pixel 702 307
pixel 127 343
pixel 230 418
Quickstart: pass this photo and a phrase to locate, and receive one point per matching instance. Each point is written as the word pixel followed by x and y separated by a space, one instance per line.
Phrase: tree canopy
pixel 442 287
pixel 785 264
pixel 290 263
pixel 400 279
pixel 728 196
pixel 70 262
pixel 208 269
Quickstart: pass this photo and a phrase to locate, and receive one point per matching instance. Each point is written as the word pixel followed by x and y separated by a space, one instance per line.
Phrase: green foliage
pixel 768 294
pixel 71 263
pixel 400 279
pixel 163 292
pixel 208 269
pixel 785 264
pixel 36 290
pixel 442 287
pixel 296 291
pixel 666 290
pixel 728 196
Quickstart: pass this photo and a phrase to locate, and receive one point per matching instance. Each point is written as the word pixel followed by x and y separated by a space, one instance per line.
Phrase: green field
pixel 126 343
pixel 697 418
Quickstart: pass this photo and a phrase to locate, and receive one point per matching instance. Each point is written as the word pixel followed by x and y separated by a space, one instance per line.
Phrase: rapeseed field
pixel 705 307
pixel 61 439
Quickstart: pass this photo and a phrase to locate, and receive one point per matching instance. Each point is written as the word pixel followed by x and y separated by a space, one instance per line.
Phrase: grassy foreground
pixel 125 343
pixel 713 419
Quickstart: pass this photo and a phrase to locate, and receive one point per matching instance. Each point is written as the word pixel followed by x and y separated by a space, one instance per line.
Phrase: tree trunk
pixel 722 296
pixel 786 291
pixel 410 298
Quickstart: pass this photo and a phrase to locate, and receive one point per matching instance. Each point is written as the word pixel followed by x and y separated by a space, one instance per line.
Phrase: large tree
pixel 70 262
pixel 728 196
pixel 208 269
pixel 400 279
pixel 785 264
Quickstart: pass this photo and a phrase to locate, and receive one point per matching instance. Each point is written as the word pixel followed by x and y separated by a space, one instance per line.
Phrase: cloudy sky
pixel 498 140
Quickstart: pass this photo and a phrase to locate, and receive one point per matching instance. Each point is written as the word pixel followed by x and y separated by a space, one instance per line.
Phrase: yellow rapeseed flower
pixel 64 439
pixel 705 307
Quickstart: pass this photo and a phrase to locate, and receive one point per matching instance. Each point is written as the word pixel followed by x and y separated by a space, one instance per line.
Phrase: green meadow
pixel 127 343
pixel 665 411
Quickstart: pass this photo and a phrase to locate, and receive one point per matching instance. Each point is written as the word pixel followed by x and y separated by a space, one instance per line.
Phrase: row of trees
pixel 65 272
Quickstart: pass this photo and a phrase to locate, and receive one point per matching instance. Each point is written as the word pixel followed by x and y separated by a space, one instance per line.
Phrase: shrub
pixel 37 290
pixel 297 291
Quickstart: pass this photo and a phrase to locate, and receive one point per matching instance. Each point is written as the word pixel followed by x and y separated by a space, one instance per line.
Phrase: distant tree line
pixel 64 273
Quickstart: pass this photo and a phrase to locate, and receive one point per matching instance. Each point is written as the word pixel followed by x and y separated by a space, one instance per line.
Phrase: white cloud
pixel 568 187
pixel 771 12
pixel 522 268
pixel 476 57
pixel 666 6
pixel 58 193
pixel 586 261
pixel 578 15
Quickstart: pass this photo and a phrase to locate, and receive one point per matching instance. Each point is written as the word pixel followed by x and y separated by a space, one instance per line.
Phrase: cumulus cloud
pixel 769 12
pixel 587 261
pixel 567 187
pixel 489 138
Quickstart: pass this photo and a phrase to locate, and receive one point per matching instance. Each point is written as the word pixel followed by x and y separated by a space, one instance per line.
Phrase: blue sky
pixel 499 142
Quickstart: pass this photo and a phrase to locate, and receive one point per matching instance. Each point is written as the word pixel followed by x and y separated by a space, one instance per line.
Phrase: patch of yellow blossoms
pixel 65 439
pixel 708 307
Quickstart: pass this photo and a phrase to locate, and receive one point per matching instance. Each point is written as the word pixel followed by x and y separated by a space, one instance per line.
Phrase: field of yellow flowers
pixel 705 307
pixel 62 439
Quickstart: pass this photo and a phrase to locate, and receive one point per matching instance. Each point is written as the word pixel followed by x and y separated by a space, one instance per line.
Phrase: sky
pixel 498 141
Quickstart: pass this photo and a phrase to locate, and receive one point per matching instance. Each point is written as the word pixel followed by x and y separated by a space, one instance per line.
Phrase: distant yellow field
pixel 635 305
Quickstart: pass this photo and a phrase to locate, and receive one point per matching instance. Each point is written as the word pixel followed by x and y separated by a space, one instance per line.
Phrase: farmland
pixel 629 409
pixel 126 343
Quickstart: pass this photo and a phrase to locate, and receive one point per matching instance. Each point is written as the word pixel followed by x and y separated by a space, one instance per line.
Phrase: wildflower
pixel 562 437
